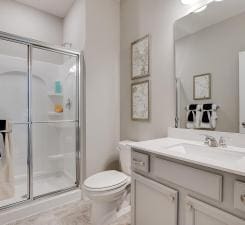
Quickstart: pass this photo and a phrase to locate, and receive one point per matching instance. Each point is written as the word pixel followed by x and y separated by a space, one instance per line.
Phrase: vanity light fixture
pixel 201 9
pixel 189 2
pixel 192 2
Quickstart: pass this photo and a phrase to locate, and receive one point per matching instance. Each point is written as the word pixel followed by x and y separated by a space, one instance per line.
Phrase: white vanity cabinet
pixel 172 192
pixel 154 204
pixel 199 213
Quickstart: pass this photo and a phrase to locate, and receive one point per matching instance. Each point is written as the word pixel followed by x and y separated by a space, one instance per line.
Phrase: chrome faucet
pixel 210 141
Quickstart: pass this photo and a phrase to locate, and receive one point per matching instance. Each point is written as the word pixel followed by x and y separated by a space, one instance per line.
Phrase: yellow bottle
pixel 58 108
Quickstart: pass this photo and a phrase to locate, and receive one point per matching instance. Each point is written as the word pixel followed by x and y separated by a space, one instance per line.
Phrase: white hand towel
pixel 1 146
pixel 196 115
pixel 7 187
pixel 212 116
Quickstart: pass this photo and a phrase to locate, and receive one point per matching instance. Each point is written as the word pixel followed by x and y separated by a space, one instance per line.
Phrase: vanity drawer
pixel 239 195
pixel 199 181
pixel 140 162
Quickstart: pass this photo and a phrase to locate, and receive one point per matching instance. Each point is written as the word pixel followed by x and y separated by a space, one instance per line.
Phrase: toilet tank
pixel 125 156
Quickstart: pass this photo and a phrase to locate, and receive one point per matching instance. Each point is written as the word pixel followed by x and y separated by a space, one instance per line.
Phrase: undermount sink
pixel 207 152
pixel 208 155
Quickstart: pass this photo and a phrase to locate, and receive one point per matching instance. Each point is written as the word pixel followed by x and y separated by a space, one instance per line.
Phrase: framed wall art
pixel 140 101
pixel 202 87
pixel 140 57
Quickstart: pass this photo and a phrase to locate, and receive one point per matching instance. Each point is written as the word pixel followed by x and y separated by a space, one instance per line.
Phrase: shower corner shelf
pixel 56 157
pixel 55 114
pixel 54 95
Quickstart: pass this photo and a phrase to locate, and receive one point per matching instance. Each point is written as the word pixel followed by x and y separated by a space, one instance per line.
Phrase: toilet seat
pixel 106 181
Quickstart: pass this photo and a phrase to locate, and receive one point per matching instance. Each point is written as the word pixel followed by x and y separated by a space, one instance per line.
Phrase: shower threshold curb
pixel 39 206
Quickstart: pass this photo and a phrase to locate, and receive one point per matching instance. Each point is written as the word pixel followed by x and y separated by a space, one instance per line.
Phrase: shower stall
pixel 40 99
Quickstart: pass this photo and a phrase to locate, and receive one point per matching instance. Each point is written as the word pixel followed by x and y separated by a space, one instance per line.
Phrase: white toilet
pixel 107 189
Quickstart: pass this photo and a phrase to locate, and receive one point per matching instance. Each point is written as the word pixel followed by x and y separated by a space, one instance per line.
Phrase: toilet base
pixel 123 212
pixel 102 210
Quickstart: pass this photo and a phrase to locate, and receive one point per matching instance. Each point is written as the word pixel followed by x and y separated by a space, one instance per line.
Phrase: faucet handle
pixel 210 140
pixel 206 142
pixel 208 137
pixel 222 141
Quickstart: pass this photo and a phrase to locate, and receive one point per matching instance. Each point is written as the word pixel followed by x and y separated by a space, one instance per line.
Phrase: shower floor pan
pixel 42 184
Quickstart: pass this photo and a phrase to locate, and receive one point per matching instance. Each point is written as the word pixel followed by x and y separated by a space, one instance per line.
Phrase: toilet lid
pixel 106 180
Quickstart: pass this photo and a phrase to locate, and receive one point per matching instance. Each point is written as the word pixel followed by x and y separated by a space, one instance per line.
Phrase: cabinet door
pixel 153 203
pixel 199 213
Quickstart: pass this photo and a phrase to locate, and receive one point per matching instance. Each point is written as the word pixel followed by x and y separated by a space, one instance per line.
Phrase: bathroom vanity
pixel 184 182
pixel 179 180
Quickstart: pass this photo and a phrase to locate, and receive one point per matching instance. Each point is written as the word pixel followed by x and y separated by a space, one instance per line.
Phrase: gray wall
pixel 74 25
pixel 214 50
pixel 156 17
pixel 102 51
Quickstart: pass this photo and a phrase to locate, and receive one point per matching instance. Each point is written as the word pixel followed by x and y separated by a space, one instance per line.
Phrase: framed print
pixel 140 101
pixel 202 87
pixel 140 57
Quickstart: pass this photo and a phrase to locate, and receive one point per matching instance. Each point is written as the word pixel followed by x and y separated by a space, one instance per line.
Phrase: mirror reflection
pixel 210 67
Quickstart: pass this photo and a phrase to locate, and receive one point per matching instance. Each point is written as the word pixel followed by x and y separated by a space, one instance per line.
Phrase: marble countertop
pixel 230 159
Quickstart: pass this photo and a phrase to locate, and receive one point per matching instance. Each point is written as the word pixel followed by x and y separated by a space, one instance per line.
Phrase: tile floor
pixel 78 213
pixel 123 220
pixel 71 214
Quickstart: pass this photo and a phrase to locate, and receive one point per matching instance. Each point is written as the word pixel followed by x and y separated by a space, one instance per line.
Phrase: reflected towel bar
pixel 5 131
pixel 47 121
pixel 217 107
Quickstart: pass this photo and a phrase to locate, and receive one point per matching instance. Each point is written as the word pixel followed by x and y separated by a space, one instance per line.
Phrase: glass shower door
pixel 39 120
pixel 14 172
pixel 54 121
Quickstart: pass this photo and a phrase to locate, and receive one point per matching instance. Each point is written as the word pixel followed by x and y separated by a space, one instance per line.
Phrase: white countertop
pixel 230 159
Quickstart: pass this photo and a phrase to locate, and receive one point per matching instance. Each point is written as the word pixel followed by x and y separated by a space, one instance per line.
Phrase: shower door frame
pixel 80 154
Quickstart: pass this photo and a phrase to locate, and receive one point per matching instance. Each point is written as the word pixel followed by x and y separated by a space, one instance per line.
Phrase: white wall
pixel 211 50
pixel 74 25
pixel 25 21
pixel 155 17
pixel 102 50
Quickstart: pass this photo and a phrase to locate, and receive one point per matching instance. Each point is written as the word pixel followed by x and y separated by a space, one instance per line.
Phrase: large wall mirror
pixel 210 67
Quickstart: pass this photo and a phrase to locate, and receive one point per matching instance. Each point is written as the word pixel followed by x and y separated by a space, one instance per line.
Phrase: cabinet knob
pixel 189 205
pixel 243 124
pixel 243 198
pixel 172 198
